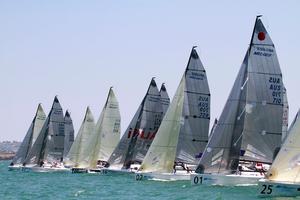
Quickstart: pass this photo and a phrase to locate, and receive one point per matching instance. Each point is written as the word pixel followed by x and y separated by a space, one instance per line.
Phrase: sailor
pixel 174 168
pixel 42 163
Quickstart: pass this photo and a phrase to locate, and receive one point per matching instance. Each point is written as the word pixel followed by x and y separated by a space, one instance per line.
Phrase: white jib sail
pixel 162 152
pixel 286 166
pixel 77 156
pixel 107 132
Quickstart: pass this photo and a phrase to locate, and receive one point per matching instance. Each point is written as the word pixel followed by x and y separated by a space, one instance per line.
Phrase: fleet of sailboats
pixel 249 144
pixel 135 142
pixel 183 133
pixel 46 154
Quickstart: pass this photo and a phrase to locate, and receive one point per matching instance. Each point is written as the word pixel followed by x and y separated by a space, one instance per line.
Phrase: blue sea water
pixel 31 186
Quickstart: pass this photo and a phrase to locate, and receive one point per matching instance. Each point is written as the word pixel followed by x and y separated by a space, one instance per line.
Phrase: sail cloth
pixel 31 135
pixel 49 145
pixel 69 133
pixel 107 132
pixel 78 154
pixel 183 133
pixel 285 167
pixel 137 138
pixel 164 97
pixel 285 118
pixel 250 125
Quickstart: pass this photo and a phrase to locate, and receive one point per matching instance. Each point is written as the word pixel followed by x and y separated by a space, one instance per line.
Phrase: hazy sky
pixel 78 49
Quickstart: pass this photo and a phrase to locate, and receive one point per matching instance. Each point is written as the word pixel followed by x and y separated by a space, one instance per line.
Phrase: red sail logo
pixel 261 36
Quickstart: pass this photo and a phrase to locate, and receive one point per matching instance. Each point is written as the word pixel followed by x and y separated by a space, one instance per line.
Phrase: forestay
pixel 183 133
pixel 78 154
pixel 136 140
pixel 49 145
pixel 31 135
pixel 107 132
pixel 250 126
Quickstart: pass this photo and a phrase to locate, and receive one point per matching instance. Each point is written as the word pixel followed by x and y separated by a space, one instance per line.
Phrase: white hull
pixel 15 168
pixel 109 171
pixel 45 169
pixel 268 188
pixel 225 180
pixel 184 176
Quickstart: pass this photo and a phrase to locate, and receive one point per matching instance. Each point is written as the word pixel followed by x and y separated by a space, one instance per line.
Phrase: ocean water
pixel 31 186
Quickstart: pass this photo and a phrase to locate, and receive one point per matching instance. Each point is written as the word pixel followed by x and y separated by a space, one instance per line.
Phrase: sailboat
pixel 69 133
pixel 139 135
pixel 249 132
pixel 77 158
pixel 30 137
pixel 46 153
pixel 183 133
pixel 107 134
pixel 283 177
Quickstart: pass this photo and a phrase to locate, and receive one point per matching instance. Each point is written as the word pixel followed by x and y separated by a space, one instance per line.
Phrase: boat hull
pixel 15 168
pixel 45 169
pixel 225 180
pixel 140 176
pixel 268 188
pixel 108 171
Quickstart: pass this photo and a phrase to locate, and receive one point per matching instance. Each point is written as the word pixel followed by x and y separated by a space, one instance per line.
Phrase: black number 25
pixel 267 189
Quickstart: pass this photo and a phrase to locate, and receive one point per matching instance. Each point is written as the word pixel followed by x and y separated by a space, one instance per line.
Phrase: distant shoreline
pixel 6 156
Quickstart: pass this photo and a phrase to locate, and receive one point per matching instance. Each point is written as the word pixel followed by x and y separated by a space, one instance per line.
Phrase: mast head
pixel 258 16
pixel 163 88
pixel 67 113
pixel 56 99
pixel 153 83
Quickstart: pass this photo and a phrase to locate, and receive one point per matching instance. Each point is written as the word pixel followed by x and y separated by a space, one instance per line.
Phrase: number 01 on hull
pixel 271 188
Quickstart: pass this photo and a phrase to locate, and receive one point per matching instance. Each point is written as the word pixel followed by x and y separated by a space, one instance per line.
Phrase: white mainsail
pixel 69 133
pixel 30 137
pixel 183 133
pixel 78 154
pixel 49 145
pixel 286 166
pixel 107 132
pixel 250 126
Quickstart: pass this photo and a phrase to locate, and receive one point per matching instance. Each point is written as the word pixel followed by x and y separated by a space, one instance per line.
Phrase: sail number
pixel 203 106
pixel 267 189
pixel 139 177
pixel 275 88
pixel 198 180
